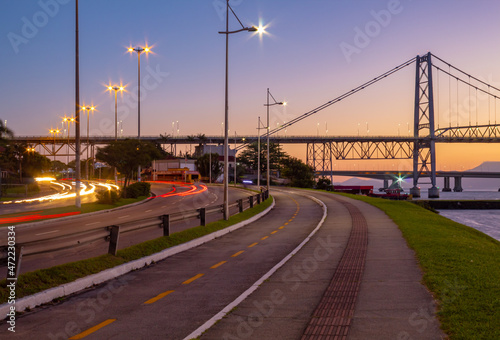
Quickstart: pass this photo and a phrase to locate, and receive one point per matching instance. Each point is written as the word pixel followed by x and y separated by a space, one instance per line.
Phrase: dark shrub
pixel 107 197
pixel 137 189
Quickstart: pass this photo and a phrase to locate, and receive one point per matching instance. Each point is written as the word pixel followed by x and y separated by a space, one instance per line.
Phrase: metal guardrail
pixel 111 233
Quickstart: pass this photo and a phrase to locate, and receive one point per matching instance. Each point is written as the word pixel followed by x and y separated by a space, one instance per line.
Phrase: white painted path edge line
pixel 199 331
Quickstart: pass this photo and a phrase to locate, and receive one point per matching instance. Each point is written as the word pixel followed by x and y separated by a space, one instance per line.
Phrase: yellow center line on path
pixel 286 223
pixel 253 245
pixel 218 264
pixel 264 238
pixel 158 297
pixel 92 329
pixel 281 227
pixel 196 277
pixel 274 232
pixel 290 220
pixel 238 253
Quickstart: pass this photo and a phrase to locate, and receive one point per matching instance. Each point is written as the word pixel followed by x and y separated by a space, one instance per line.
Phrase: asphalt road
pixel 86 225
pixel 170 299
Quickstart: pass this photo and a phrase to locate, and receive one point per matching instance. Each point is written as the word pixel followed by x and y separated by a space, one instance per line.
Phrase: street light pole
pixel 54 132
pixel 88 108
pixel 139 50
pixel 258 154
pixel 235 158
pixel 268 130
pixel 226 105
pixel 116 89
pixel 78 203
pixel 68 120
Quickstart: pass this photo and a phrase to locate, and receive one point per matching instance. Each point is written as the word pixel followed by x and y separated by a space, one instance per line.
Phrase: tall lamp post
pixel 88 109
pixel 54 132
pixel 116 89
pixel 259 127
pixel 139 50
pixel 68 120
pixel 268 105
pixel 226 106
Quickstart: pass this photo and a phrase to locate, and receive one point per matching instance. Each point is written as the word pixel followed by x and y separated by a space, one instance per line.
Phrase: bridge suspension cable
pixel 336 100
pixel 474 106
pixel 464 73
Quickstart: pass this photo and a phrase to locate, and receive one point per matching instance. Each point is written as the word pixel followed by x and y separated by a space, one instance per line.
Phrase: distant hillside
pixel 487 167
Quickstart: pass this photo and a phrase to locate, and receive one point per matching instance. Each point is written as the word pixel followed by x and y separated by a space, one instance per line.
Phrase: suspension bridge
pixel 464 126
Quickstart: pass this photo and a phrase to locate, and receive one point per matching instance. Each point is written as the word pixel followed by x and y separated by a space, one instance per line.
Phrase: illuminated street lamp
pixel 260 126
pixel 139 50
pixel 116 89
pixel 268 105
pixel 226 105
pixel 88 109
pixel 68 120
pixel 54 132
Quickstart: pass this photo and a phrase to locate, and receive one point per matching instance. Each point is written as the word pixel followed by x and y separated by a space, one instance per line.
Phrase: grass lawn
pixel 40 280
pixel 461 268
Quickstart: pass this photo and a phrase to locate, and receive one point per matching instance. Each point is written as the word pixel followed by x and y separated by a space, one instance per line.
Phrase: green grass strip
pixel 37 281
pixel 461 268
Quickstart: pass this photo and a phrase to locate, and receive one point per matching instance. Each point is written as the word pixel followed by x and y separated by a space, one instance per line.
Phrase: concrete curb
pixel 48 295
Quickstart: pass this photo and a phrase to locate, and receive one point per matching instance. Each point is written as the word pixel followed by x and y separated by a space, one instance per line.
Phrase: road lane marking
pixel 252 245
pixel 264 238
pixel 281 227
pixel 196 277
pixel 150 210
pixel 286 223
pixel 274 232
pixel 226 310
pixel 163 206
pixel 218 264
pixel 92 329
pixel 158 297
pixel 290 220
pixel 92 223
pixel 48 232
pixel 238 253
pixel 123 216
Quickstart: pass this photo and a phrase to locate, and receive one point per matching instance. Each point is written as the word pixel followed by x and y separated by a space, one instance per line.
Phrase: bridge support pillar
pixel 386 183
pixel 415 192
pixel 424 152
pixel 434 192
pixel 447 187
pixel 458 184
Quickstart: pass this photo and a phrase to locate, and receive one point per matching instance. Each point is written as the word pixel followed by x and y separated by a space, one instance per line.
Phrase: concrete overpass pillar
pixel 415 191
pixel 458 184
pixel 447 187
pixel 434 192
pixel 386 183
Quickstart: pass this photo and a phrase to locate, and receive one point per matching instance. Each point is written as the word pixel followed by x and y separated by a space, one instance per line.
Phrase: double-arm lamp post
pixel 268 130
pixel 116 89
pixel 88 109
pixel 68 120
pixel 226 106
pixel 139 50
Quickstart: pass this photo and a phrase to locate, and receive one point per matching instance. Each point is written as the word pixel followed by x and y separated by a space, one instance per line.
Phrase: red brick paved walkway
pixel 333 315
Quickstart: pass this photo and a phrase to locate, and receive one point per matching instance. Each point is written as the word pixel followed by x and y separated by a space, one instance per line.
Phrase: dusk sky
pixel 313 52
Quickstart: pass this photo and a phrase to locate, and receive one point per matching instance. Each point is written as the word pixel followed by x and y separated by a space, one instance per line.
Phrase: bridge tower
pixel 424 151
